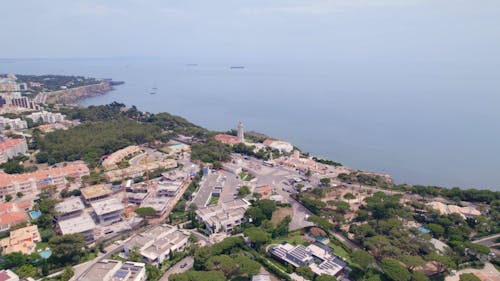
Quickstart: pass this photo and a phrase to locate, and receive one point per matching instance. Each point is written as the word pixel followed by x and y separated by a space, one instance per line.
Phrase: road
pixel 82 269
pixel 183 265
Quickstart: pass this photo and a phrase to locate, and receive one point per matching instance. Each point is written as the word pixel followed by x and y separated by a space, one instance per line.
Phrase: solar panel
pixel 121 274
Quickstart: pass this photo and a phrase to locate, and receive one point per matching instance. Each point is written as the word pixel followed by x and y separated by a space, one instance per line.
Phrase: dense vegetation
pixel 55 82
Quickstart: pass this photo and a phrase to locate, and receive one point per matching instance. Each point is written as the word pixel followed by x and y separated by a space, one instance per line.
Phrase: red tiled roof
pixel 10 143
pixel 227 139
pixel 6 179
pixel 12 218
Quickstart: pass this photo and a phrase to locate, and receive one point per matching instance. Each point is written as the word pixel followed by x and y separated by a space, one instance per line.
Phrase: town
pixel 113 193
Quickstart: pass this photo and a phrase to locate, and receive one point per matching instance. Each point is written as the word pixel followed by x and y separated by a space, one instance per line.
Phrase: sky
pixel 281 29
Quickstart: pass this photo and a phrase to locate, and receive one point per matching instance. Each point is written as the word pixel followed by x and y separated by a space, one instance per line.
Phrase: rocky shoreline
pixel 73 95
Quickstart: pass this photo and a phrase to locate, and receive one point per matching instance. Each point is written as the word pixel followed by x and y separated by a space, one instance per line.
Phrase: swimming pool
pixel 45 254
pixel 35 214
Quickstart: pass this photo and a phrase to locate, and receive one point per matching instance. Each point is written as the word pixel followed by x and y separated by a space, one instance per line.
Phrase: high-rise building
pixel 241 132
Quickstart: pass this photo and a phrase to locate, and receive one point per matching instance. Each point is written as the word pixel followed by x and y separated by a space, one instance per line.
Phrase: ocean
pixel 433 123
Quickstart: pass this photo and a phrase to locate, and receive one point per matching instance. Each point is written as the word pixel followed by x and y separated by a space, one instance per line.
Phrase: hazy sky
pixel 302 29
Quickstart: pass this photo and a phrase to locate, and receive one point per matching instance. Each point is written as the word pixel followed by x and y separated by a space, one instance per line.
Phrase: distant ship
pixel 237 67
pixel 153 91
pixel 192 64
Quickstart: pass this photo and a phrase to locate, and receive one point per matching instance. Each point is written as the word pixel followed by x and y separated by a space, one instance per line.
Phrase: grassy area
pixel 246 176
pixel 294 238
pixel 339 251
pixel 281 213
pixel 213 200
pixel 41 246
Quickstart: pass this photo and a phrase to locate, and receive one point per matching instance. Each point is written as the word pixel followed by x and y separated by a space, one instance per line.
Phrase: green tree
pixel 394 270
pixel 267 207
pixel 27 270
pixel 246 266
pixel 306 272
pixel 67 273
pixel 153 272
pixel 281 229
pixel 42 157
pixel 257 236
pixel 67 248
pixel 325 182
pixel 8 197
pixel 201 255
pixel 412 261
pixel 362 258
pixel 255 215
pixel 19 194
pixel 349 196
pixel 243 191
pixel 436 229
pixel 222 263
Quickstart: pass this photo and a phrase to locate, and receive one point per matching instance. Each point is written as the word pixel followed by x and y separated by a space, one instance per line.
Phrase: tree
pixel 67 273
pixel 153 272
pixel 27 270
pixel 469 277
pixel 325 182
pixel 325 277
pixel 19 194
pixel 256 215
pixel 8 197
pixel 362 258
pixel 306 272
pixel 257 236
pixel 42 157
pixel 246 266
pixel 394 270
pixel 349 196
pixel 243 191
pixel 217 165
pixel 267 207
pixel 67 248
pixel 223 263
pixel 436 229
pixel 12 167
pixel 145 212
pixel 282 227
pixel 412 261
pixel 201 255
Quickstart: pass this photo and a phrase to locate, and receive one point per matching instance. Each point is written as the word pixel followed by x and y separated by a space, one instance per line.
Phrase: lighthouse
pixel 241 132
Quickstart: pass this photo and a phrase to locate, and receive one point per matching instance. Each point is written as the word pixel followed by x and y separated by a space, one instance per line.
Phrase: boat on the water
pixel 237 67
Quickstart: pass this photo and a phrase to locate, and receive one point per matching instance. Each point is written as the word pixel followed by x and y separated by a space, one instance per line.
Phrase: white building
pixel 282 146
pixel 69 208
pixel 224 217
pixel 156 244
pixel 14 124
pixel 46 117
pixel 112 270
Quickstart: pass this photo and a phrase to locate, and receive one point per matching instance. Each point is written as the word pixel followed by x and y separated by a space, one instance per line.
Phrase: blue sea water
pixel 421 122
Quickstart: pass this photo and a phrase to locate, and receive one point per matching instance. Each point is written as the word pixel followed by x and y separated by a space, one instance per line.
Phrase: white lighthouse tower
pixel 241 132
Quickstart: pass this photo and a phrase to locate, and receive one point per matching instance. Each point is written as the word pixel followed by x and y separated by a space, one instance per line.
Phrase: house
pixel 156 244
pixel 8 275
pixel 227 139
pixel 282 146
pixel 108 211
pixel 317 256
pixel 83 224
pixel 138 171
pixel 159 204
pixel 445 209
pixel 112 161
pixel 224 217
pixel 95 192
pixel 21 240
pixel 13 214
pixel 11 148
pixel 112 270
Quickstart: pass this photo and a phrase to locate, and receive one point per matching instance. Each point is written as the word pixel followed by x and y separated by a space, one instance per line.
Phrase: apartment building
pixel 118 156
pixel 46 117
pixel 11 148
pixel 13 124
pixel 112 270
pixel 224 217
pixel 21 240
pixel 108 211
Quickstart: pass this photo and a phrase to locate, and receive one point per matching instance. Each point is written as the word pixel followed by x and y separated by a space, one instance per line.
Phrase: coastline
pixel 77 94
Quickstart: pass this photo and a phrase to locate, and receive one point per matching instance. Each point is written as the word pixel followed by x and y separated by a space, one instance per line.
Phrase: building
pixel 112 270
pixel 25 102
pixel 282 146
pixel 159 204
pixel 168 188
pixel 46 117
pixel 138 171
pixel 8 275
pixel 241 132
pixel 136 197
pixel 317 256
pixel 118 156
pixel 156 244
pixel 224 217
pixel 83 224
pixel 227 139
pixel 108 211
pixel 13 124
pixel 13 214
pixel 11 148
pixel 95 192
pixel 31 183
pixel 69 208
pixel 21 240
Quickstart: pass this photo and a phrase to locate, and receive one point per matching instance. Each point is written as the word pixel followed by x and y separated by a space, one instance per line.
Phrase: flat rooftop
pixel 79 224
pixel 95 191
pixel 69 205
pixel 107 206
pixel 156 203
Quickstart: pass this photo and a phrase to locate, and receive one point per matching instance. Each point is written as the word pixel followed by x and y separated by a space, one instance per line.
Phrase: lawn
pixel 246 176
pixel 294 238
pixel 339 251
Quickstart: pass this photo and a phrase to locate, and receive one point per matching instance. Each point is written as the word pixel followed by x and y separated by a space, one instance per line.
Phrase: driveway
pixel 183 265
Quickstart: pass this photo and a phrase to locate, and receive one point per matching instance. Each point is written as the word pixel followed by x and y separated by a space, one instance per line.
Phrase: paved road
pixel 182 266
pixel 488 240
